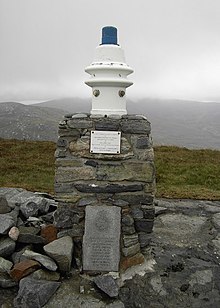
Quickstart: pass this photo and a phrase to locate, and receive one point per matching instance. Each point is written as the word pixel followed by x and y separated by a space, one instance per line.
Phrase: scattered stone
pixel 34 293
pixel 49 233
pixel 45 275
pixel 17 255
pixel 6 222
pixel 44 260
pixel 130 261
pixel 34 205
pixel 23 269
pixel 61 251
pixel 5 265
pixel 14 233
pixel 76 231
pixel 7 247
pixel 29 235
pixel 4 207
pixel 107 284
pixel 6 281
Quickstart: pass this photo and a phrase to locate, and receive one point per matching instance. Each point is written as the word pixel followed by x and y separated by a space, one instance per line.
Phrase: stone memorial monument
pixel 105 174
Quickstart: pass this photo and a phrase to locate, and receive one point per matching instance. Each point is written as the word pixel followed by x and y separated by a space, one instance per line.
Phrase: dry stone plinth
pixel 101 250
pixel 105 162
pixel 61 250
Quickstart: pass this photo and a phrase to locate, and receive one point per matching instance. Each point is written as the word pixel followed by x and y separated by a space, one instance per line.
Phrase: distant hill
pixel 174 122
pixel 27 122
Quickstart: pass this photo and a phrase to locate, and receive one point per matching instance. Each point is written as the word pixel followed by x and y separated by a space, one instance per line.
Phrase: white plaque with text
pixel 105 142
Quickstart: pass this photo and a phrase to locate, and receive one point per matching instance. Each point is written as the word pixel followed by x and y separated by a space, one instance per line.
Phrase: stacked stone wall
pixel 126 180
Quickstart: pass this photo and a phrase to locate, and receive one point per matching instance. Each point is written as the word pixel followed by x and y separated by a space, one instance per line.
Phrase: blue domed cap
pixel 109 35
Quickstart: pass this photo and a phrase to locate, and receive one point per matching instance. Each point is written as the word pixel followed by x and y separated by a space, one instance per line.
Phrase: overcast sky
pixel 173 46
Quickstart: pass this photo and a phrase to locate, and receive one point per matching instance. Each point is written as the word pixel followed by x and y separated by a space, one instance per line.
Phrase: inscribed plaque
pixel 105 142
pixel 101 241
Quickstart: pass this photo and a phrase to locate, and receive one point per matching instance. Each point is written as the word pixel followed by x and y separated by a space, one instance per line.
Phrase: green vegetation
pixel 184 173
pixel 180 172
pixel 27 164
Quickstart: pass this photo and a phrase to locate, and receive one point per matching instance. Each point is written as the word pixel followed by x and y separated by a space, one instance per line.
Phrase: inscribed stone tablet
pixel 101 250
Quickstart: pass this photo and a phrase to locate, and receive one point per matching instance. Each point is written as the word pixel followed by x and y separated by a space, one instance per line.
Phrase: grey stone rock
pixel 42 259
pixel 107 284
pixel 17 255
pixel 6 222
pixel 137 213
pixel 130 240
pixel 6 281
pixel 160 210
pixel 108 187
pixel 128 229
pixel 144 225
pixel 29 235
pixel 64 187
pixel 65 217
pixel 107 124
pixel 34 293
pixel 131 250
pixel 142 142
pixel 127 220
pixel 15 196
pixel 121 203
pixel 87 201
pixel 7 247
pixel 45 275
pixel 4 207
pixel 144 239
pixel 79 123
pixel 61 251
pixel 148 211
pixel 61 142
pixel 135 126
pixel 34 205
pixel 76 231
pixel 5 265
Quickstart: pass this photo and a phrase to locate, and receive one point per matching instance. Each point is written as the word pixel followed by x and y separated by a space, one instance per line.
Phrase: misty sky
pixel 173 46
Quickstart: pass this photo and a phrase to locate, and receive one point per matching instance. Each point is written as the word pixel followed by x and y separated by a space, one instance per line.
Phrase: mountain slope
pixel 20 121
pixel 181 123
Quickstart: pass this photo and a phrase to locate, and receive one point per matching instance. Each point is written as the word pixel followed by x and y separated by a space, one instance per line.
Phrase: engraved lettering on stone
pixel 105 142
pixel 101 239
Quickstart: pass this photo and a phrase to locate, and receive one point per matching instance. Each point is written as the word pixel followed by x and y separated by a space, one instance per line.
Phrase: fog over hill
pixel 174 122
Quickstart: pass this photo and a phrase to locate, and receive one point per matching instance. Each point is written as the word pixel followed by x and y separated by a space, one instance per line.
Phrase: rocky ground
pixel 181 270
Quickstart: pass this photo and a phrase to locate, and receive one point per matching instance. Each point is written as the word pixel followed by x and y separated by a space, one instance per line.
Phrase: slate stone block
pixel 143 225
pixel 101 239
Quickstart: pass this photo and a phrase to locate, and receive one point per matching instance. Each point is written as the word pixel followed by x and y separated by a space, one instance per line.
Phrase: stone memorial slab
pixel 105 142
pixel 101 241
